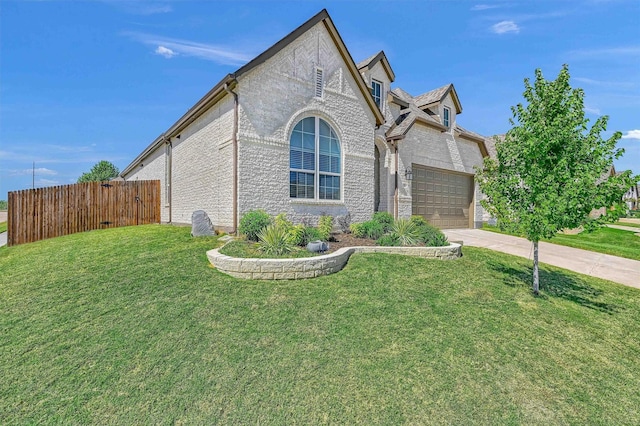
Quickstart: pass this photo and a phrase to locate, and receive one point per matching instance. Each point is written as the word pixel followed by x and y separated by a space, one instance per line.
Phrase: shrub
pixel 325 227
pixel 301 235
pixel 429 234
pixel 388 240
pixel 275 240
pixel 383 218
pixel 253 222
pixel 282 222
pixel 357 230
pixel 419 221
pixel 344 222
pixel 432 237
pixel 406 232
pixel 373 229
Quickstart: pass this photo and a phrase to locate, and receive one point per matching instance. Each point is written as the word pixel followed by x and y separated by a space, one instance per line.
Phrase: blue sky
pixel 84 81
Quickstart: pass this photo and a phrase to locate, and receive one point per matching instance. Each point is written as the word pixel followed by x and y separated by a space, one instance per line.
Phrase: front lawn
pixel 3 227
pixel 611 241
pixel 133 326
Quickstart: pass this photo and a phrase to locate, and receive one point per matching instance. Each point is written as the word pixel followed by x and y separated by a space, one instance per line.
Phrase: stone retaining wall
pixel 309 267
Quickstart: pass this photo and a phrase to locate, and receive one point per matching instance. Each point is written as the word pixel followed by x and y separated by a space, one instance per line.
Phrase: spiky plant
pixel 405 231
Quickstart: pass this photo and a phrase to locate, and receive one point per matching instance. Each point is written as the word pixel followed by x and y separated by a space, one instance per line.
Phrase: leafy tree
pixel 551 170
pixel 104 170
pixel 3 204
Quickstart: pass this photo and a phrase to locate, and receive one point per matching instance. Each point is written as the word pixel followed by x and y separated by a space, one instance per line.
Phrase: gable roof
pixel 230 81
pixel 371 61
pixel 437 96
pixel 413 114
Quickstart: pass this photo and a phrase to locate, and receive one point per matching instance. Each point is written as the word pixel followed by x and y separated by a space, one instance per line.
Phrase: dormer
pixel 377 73
pixel 442 102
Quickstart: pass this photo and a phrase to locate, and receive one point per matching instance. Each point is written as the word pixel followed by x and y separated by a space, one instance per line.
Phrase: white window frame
pixel 446 117
pixel 379 83
pixel 316 172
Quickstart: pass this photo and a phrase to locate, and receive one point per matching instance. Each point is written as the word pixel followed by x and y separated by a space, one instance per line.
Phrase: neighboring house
pixel 302 129
pixel 632 198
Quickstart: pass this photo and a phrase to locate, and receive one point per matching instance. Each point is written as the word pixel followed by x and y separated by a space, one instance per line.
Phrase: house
pixel 632 197
pixel 302 129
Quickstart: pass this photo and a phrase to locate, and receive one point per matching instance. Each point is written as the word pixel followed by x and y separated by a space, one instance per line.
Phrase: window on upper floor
pixel 446 114
pixel 314 160
pixel 376 91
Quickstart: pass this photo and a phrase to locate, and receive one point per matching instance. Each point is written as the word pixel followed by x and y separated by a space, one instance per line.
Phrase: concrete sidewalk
pixel 624 228
pixel 612 268
pixel 3 239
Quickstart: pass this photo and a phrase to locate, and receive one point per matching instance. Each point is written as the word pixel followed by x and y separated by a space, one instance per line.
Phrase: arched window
pixel 314 160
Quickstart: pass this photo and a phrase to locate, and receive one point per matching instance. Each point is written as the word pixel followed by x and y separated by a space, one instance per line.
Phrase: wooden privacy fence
pixel 36 214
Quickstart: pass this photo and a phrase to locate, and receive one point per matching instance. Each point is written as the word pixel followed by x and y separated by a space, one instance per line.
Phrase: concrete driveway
pixel 612 268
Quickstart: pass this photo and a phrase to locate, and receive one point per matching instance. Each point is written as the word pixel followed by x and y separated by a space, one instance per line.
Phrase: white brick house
pixel 302 129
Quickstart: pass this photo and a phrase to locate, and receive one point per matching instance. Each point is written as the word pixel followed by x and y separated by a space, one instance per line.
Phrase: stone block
pixel 307 274
pixel 262 275
pixel 270 266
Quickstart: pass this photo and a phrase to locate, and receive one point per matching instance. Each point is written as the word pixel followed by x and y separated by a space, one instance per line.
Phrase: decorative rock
pixel 201 224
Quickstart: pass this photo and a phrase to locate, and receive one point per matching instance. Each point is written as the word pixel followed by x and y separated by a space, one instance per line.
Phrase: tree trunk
pixel 536 282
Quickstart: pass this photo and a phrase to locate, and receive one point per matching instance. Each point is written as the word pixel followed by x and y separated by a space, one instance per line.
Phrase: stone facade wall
pixel 310 267
pixel 202 167
pixel 273 97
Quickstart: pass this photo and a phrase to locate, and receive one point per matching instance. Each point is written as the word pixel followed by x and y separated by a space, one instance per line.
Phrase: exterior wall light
pixel 408 174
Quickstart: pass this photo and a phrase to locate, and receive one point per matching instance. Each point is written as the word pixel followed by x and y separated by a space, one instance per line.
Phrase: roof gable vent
pixel 319 82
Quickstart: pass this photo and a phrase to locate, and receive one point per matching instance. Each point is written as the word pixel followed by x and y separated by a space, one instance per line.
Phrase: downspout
pixel 234 166
pixel 169 183
pixel 396 199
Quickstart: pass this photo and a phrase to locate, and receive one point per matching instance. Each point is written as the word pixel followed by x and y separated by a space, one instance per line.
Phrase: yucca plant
pixel 275 240
pixel 405 231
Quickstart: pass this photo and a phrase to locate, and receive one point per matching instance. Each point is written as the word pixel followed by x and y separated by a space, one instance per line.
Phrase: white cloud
pixel 591 110
pixel 603 83
pixel 484 7
pixel 632 134
pixel 505 27
pixel 39 171
pixel 46 182
pixel 210 52
pixel 166 52
pixel 607 52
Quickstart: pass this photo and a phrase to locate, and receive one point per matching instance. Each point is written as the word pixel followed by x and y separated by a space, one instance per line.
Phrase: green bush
pixel 282 222
pixel 406 232
pixel 383 218
pixel 275 240
pixel 428 234
pixel 357 230
pixel 372 229
pixel 419 220
pixel 325 227
pixel 301 235
pixel 253 222
pixel 388 240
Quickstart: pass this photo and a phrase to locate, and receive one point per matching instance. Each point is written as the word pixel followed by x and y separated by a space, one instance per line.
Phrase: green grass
pixel 604 240
pixel 248 249
pixel 3 227
pixel 133 326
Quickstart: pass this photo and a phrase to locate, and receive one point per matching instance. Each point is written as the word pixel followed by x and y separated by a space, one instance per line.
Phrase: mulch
pixel 348 240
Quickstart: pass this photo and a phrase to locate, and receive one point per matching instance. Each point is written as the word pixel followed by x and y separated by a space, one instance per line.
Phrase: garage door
pixel 442 197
